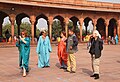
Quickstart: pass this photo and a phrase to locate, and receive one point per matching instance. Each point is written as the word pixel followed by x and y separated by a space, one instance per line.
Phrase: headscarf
pixel 97 33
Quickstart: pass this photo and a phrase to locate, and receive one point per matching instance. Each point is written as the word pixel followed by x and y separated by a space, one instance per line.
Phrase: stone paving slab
pixel 109 66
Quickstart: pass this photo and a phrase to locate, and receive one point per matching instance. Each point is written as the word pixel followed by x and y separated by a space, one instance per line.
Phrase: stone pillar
pixel 107 23
pixel 12 18
pixel 66 25
pixel 50 27
pixel 94 24
pixel 50 31
pixel 32 18
pixel 81 24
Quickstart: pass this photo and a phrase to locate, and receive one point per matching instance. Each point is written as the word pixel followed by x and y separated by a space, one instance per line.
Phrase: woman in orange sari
pixel 62 54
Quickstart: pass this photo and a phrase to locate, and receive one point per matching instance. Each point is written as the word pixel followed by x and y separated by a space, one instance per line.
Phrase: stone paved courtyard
pixel 109 66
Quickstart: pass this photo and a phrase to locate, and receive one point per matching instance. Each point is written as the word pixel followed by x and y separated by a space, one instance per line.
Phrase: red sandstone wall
pixel 77 2
pixel 72 4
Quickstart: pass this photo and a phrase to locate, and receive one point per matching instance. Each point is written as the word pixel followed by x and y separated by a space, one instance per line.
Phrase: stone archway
pixel 74 22
pixel 101 27
pixel 87 23
pixel 61 19
pixel 5 33
pixel 19 18
pixel 2 16
pixel 58 25
pixel 112 27
pixel 6 29
pixel 38 23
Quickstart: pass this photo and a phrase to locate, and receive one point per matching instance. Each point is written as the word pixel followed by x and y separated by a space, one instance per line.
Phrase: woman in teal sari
pixel 23 45
pixel 43 50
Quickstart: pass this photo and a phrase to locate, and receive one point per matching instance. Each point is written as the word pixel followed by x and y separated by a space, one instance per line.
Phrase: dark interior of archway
pixel 61 19
pixel 86 22
pixel 101 27
pixel 18 20
pixel 37 18
pixel 2 16
pixel 75 20
pixel 112 28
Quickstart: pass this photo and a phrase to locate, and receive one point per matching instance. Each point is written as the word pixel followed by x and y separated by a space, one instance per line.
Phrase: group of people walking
pixel 67 47
pixel 113 40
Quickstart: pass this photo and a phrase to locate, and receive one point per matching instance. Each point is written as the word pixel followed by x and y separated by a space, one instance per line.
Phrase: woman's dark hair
pixel 64 33
pixel 25 32
pixel 41 33
pixel 44 31
pixel 71 29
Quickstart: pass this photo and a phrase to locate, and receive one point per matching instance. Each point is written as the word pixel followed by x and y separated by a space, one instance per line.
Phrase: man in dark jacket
pixel 95 51
pixel 72 43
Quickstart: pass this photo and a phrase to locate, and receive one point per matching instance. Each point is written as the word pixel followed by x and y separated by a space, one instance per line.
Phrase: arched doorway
pixel 57 26
pixel 112 27
pixel 20 18
pixel 41 24
pixel 74 22
pixel 87 27
pixel 5 30
pixel 101 27
pixel 26 24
